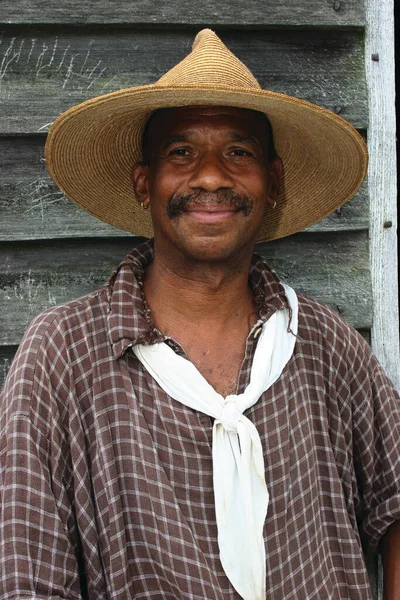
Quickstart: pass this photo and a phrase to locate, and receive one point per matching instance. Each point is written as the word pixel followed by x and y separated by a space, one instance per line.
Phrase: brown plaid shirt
pixel 106 482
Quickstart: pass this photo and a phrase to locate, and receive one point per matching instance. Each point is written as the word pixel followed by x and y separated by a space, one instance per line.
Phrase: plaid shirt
pixel 106 481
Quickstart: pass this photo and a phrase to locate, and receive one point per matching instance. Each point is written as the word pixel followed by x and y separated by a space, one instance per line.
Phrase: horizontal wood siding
pixel 51 251
pixel 32 207
pixel 56 54
pixel 44 73
pixel 310 13
pixel 32 276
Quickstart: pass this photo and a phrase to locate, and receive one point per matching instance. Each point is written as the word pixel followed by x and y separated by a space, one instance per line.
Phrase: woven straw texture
pixel 92 147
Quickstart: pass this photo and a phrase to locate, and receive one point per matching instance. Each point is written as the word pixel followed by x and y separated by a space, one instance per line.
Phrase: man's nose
pixel 210 174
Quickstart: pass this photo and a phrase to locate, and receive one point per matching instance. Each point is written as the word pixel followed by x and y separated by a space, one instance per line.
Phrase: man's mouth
pixel 209 207
pixel 211 213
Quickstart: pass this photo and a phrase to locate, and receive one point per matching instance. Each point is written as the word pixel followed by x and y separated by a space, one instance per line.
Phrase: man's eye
pixel 240 152
pixel 179 152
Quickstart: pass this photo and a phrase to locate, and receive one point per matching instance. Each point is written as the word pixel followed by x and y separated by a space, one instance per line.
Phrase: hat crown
pixel 210 62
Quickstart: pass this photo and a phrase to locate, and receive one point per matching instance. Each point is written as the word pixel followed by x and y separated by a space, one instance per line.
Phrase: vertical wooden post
pixel 379 60
pixel 380 73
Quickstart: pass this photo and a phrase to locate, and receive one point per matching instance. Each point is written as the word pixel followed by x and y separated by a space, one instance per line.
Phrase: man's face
pixel 207 180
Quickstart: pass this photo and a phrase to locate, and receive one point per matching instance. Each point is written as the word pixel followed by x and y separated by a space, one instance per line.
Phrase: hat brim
pixel 92 148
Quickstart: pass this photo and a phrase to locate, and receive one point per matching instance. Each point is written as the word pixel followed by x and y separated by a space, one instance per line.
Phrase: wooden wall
pixel 56 54
pixel 53 56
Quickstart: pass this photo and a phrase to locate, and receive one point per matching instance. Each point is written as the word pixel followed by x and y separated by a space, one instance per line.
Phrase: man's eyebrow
pixel 234 136
pixel 245 137
pixel 173 139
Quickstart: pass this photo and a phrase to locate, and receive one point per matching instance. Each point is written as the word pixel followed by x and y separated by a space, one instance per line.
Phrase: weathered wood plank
pixel 31 206
pixel 371 561
pixel 42 73
pixel 226 12
pixel 331 267
pixel 379 61
pixel 7 354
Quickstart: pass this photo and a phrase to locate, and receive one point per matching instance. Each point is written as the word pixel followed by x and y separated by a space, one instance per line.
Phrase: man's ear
pixel 275 173
pixel 140 182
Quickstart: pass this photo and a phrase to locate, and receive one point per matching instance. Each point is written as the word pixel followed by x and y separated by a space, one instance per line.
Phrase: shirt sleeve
pixel 376 444
pixel 38 535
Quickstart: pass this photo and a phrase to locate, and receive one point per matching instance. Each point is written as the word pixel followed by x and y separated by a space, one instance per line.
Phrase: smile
pixel 211 214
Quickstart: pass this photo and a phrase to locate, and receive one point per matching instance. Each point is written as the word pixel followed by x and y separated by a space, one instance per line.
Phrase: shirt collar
pixel 129 318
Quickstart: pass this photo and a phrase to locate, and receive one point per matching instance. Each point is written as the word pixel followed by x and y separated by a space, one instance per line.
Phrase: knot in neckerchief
pixel 240 491
pixel 230 414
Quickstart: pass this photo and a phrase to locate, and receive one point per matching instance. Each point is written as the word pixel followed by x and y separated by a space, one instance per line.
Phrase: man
pixel 128 466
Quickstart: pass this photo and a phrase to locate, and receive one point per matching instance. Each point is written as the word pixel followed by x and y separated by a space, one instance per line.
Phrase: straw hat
pixel 92 147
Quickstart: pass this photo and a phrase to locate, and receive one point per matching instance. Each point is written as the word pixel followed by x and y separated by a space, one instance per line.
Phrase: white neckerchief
pixel 240 491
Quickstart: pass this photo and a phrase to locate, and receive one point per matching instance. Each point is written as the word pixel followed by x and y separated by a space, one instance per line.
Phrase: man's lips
pixel 211 213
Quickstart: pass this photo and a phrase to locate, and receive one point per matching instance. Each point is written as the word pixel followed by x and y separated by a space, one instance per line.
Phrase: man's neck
pixel 208 309
pixel 198 293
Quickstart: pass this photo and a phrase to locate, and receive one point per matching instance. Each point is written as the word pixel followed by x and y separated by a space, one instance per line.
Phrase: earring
pixel 274 205
pixel 144 206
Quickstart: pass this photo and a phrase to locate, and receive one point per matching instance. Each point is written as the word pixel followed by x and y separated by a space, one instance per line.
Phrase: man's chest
pixel 220 367
pixel 151 458
pixel 225 360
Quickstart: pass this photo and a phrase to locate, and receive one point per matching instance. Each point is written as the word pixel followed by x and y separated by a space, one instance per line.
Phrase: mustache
pixel 178 203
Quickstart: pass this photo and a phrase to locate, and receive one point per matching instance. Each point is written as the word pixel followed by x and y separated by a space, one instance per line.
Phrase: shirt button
pixel 257 332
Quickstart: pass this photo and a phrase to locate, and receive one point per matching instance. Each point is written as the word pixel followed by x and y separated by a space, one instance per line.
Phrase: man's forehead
pixel 183 118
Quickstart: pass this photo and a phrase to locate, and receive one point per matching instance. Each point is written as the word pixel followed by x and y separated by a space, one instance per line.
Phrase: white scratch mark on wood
pixel 96 78
pixel 85 61
pixel 63 58
pixel 52 299
pixel 51 60
pixel 40 198
pixel 48 56
pixel 108 83
pixel 40 58
pixel 94 69
pixel 21 45
pixel 4 63
pixel 7 60
pixel 25 289
pixel 69 70
pixel 33 43
pixel 45 127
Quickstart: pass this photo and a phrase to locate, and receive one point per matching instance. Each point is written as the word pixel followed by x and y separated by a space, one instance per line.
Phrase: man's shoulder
pixel 317 313
pixel 320 325
pixel 50 342
pixel 69 316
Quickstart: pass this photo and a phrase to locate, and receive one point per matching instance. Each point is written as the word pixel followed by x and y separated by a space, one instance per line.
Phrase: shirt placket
pixel 245 368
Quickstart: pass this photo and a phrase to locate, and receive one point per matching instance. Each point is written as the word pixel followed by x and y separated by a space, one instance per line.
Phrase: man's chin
pixel 214 249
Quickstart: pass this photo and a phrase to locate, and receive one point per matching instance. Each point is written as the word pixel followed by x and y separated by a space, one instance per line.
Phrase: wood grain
pixel 7 354
pixel 32 207
pixel 382 184
pixel 43 74
pixel 314 13
pixel 333 268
